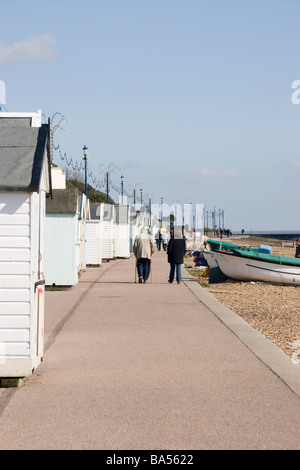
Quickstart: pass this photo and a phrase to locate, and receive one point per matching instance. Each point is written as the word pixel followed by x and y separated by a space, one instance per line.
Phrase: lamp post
pixel 179 218
pixel 141 196
pixel 134 193
pixel 161 220
pixel 122 187
pixel 107 172
pixel 85 158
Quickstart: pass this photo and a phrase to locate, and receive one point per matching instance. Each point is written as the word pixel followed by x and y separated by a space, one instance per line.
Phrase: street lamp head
pixel 122 178
pixel 85 149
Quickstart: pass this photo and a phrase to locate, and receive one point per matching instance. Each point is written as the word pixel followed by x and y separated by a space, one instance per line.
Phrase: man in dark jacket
pixel 176 251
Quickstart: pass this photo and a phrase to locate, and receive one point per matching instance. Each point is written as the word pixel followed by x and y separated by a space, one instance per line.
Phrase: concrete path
pixel 133 367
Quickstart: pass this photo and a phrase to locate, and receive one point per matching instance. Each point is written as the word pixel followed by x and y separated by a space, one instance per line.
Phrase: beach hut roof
pixel 65 201
pixel 23 151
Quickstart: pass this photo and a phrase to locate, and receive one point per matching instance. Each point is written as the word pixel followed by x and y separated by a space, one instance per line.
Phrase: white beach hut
pixel 84 216
pixel 25 181
pixel 101 234
pixel 93 238
pixel 108 231
pixel 122 231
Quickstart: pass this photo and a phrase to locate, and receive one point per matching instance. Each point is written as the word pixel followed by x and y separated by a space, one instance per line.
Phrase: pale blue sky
pixel 189 98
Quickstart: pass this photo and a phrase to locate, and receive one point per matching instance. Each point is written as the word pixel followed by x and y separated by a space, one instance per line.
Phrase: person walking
pixel 176 251
pixel 158 240
pixel 297 254
pixel 165 239
pixel 143 249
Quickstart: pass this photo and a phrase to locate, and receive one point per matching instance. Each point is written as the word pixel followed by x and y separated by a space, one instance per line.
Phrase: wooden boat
pixel 253 266
pixel 217 245
pixel 215 273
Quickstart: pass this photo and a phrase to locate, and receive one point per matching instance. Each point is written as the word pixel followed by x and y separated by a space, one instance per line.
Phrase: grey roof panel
pixel 64 201
pixel 15 122
pixel 22 152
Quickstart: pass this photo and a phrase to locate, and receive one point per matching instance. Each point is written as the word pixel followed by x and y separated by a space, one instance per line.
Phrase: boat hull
pixel 210 258
pixel 247 269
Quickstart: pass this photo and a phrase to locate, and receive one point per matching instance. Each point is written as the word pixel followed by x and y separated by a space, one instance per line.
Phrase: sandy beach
pixel 273 310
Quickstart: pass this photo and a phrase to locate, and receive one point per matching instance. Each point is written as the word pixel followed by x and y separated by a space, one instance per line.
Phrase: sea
pixel 278 234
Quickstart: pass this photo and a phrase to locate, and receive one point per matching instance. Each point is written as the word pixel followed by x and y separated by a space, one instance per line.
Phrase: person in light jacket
pixel 176 251
pixel 143 249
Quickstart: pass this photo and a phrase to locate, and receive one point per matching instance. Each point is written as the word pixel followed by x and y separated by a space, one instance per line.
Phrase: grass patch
pixel 195 272
pixel 200 276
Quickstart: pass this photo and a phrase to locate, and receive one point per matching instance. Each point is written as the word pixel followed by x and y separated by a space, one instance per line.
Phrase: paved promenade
pixel 153 366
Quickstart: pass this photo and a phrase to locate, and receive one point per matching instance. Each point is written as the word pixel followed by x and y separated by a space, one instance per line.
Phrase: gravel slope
pixel 272 310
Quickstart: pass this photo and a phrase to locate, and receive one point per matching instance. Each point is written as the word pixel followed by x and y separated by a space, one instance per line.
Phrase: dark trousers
pixel 143 268
pixel 175 268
